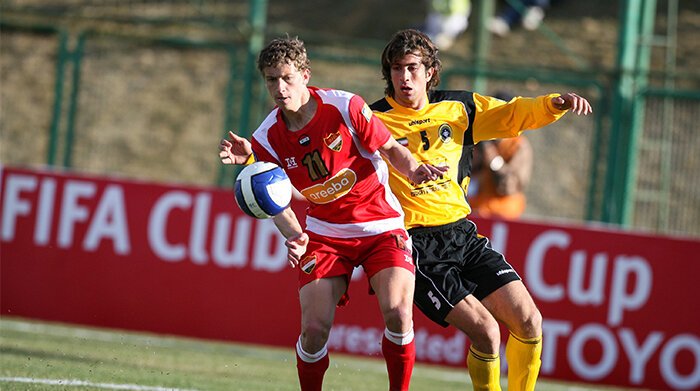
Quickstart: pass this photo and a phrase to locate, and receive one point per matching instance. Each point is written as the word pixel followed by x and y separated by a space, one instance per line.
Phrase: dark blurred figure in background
pixel 445 20
pixel 529 13
pixel 500 173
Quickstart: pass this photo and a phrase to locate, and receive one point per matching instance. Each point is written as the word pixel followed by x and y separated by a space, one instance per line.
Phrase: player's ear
pixel 429 72
pixel 306 75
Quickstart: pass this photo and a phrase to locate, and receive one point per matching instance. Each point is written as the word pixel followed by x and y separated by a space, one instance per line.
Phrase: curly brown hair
pixel 405 42
pixel 284 51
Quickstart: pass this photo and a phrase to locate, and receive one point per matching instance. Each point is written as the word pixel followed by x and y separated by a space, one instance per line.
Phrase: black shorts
pixel 452 262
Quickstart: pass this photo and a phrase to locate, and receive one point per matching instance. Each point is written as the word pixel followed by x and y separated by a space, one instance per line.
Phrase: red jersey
pixel 335 163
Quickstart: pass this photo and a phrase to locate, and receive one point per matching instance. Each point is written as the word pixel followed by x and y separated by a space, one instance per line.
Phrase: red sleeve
pixel 370 129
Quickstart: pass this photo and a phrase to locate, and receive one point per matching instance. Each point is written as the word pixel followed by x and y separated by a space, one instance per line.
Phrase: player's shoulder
pixel 381 105
pixel 436 96
pixel 343 101
pixel 270 120
pixel 332 94
pixel 267 125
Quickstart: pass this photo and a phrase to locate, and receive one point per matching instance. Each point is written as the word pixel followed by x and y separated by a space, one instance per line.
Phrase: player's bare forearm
pixel 401 159
pixel 287 223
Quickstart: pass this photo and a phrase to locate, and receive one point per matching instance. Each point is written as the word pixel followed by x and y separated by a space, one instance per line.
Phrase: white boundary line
pixel 81 383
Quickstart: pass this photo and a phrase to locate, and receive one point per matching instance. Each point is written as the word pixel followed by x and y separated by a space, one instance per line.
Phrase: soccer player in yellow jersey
pixel 460 280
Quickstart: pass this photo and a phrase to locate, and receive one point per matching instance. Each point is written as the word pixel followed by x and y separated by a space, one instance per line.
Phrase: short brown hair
pixel 405 42
pixel 284 51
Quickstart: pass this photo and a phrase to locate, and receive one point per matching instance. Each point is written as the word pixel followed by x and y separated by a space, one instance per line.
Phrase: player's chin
pixel 409 98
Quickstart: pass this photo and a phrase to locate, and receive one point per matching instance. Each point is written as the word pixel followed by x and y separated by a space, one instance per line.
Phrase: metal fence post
pixel 633 65
pixel 482 42
pixel 58 97
pixel 258 19
pixel 76 57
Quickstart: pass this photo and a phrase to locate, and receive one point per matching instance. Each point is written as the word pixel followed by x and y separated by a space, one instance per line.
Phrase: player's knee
pixel 314 335
pixel 399 318
pixel 486 337
pixel 530 325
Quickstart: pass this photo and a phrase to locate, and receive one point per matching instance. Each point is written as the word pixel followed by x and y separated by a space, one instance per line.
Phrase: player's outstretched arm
pixel 400 157
pixel 235 150
pixel 576 103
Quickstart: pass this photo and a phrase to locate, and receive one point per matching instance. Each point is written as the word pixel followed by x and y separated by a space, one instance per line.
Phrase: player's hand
pixel 569 100
pixel 296 248
pixel 427 172
pixel 235 150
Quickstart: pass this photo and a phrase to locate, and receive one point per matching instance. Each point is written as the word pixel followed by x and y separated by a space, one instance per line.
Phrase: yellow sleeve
pixel 250 160
pixel 495 118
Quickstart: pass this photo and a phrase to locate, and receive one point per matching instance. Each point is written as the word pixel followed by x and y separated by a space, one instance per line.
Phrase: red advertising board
pixel 619 308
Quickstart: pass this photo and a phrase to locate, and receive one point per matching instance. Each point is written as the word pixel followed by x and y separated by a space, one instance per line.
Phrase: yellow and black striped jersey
pixel 444 133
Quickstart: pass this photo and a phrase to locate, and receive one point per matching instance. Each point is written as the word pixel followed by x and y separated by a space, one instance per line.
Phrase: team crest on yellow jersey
pixel 308 264
pixel 334 141
pixel 445 132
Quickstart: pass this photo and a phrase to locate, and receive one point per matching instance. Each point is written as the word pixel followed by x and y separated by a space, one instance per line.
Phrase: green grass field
pixel 49 356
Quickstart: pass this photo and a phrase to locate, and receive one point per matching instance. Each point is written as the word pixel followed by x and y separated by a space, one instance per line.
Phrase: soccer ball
pixel 263 190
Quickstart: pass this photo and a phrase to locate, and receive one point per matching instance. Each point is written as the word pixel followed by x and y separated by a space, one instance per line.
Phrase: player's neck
pixel 297 120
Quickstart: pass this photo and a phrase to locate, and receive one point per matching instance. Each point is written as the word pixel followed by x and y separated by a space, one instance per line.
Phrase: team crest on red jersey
pixel 400 243
pixel 334 141
pixel 308 264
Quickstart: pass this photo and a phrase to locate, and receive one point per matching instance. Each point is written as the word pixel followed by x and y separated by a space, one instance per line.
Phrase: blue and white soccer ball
pixel 263 190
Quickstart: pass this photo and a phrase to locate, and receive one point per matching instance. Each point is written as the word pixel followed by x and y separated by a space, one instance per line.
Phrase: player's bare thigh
pixel 318 301
pixel 512 305
pixel 394 288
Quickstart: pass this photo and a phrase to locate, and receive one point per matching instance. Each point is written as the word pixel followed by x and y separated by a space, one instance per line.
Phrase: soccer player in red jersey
pixel 331 146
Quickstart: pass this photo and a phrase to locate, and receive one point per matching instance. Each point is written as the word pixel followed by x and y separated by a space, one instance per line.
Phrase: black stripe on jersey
pixel 464 169
pixel 381 106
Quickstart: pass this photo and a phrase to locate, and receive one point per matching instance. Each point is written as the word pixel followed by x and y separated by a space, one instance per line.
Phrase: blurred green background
pixel 145 89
